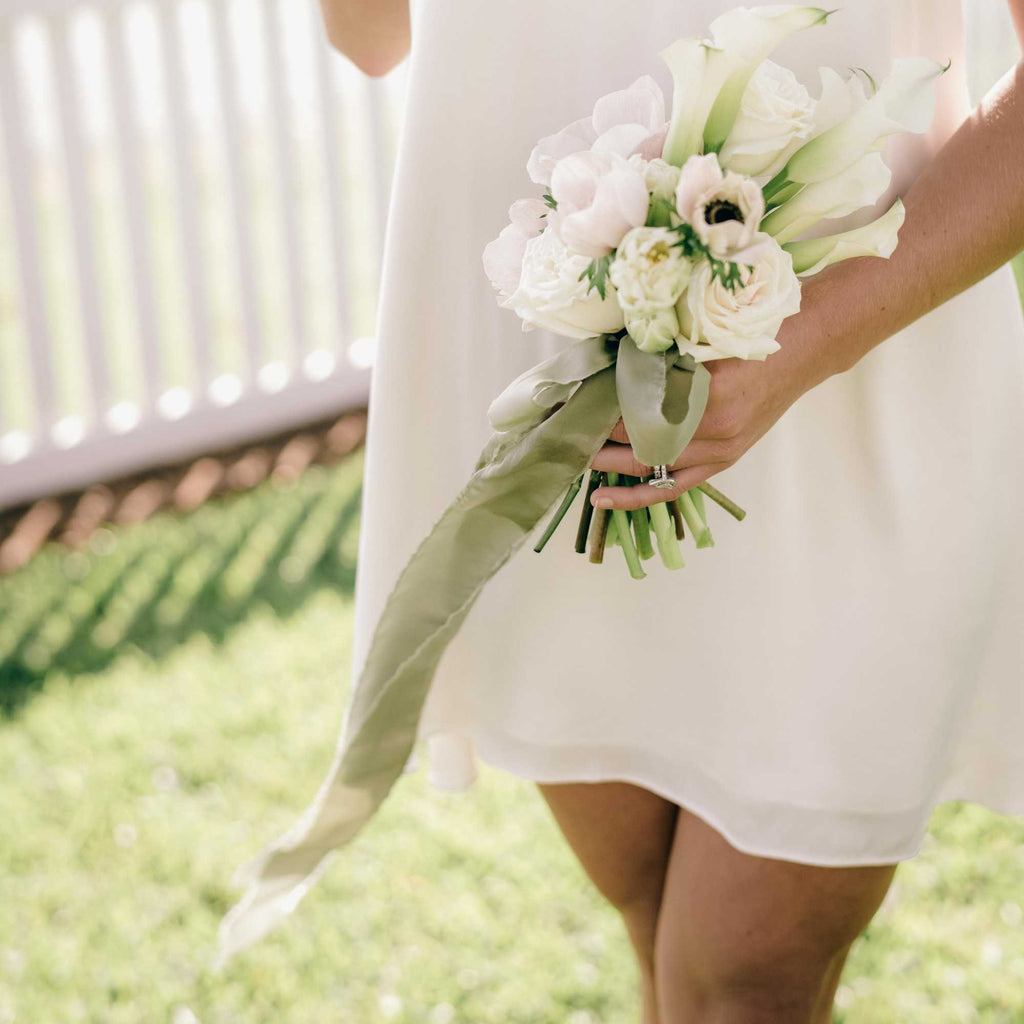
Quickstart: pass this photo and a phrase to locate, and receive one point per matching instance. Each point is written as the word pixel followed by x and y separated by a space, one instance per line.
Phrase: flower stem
pixel 642 527
pixel 701 534
pixel 625 536
pixel 599 533
pixel 717 496
pixel 665 534
pixel 588 511
pixel 677 517
pixel 559 513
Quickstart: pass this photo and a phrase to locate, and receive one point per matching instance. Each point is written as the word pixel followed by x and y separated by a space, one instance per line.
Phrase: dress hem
pixel 829 838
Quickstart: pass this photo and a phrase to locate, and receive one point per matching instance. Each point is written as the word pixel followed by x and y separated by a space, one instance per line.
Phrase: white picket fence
pixel 192 196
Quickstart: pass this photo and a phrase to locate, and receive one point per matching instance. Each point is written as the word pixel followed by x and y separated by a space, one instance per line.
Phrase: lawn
pixel 171 700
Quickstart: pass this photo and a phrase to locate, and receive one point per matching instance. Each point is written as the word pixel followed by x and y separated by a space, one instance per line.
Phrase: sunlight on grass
pixel 173 696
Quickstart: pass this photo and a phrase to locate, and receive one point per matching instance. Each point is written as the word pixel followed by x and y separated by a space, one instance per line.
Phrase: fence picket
pixel 129 143
pixel 94 330
pixel 332 166
pixel 297 345
pixel 188 199
pixel 234 143
pixel 19 175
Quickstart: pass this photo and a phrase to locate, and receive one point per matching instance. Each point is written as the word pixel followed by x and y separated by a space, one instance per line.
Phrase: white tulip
pixel 654 332
pixel 649 271
pixel 861 184
pixel 776 116
pixel 719 323
pixel 905 102
pixel 552 295
pixel 878 238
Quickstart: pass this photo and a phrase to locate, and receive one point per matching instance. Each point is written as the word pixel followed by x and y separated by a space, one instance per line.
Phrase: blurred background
pixel 192 202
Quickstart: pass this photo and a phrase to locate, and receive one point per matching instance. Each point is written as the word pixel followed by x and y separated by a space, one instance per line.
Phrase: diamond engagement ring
pixel 661 478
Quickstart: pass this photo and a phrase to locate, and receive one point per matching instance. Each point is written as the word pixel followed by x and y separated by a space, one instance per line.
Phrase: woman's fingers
pixel 640 495
pixel 619 458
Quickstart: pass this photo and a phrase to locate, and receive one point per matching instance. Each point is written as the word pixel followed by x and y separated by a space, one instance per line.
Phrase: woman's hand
pixel 747 396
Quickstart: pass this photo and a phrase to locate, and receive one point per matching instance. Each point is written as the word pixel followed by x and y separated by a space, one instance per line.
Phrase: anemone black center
pixel 721 210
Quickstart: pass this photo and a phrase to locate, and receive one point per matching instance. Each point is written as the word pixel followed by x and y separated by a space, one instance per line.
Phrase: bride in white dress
pixel 740 754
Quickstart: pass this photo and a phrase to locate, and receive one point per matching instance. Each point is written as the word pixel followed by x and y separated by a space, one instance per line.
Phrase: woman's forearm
pixel 374 34
pixel 964 219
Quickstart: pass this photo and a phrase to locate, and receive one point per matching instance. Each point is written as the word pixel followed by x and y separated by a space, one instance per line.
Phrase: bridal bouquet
pixel 656 246
pixel 660 245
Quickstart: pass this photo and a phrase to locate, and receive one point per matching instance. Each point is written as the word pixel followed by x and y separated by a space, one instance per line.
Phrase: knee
pixel 748 986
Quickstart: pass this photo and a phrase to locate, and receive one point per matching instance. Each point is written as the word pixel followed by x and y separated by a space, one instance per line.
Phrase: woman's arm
pixel 964 219
pixel 373 34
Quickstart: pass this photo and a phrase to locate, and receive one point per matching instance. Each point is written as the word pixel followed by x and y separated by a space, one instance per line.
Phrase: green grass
pixel 172 699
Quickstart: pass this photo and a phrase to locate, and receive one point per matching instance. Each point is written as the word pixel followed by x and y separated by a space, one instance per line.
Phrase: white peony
pixel 717 323
pixel 503 257
pixel 599 197
pixel 724 209
pixel 551 295
pixel 775 116
pixel 628 121
pixel 649 271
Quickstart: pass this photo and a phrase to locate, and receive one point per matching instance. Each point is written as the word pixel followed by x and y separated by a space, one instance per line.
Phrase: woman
pixel 740 754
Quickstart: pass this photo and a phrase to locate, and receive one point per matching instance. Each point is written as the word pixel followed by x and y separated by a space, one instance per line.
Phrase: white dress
pixel 840 662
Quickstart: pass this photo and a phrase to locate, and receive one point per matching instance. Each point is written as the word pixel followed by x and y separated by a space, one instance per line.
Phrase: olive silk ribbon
pixel 539 448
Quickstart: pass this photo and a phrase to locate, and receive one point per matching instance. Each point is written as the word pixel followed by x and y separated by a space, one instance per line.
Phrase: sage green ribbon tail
pixel 663 396
pixel 518 478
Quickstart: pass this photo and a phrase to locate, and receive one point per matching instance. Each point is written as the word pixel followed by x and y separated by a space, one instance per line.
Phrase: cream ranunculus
pixel 860 185
pixel 775 116
pixel 653 332
pixel 649 271
pixel 661 178
pixel 724 209
pixel 878 238
pixel 551 295
pixel 717 323
pixel 599 197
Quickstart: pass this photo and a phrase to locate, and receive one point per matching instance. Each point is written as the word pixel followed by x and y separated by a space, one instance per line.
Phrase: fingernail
pixel 602 502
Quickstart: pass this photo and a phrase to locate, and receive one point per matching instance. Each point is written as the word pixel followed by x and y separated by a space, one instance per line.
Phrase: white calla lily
pixel 709 79
pixel 861 184
pixel 878 238
pixel 905 102
pixel 749 35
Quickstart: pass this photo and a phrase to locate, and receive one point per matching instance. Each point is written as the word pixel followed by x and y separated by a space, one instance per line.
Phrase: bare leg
pixel 622 835
pixel 752 940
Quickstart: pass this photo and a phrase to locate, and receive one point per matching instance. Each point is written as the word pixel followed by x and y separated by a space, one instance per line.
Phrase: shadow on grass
pixel 153 585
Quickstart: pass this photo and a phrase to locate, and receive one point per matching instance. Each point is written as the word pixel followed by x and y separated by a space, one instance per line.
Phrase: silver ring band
pixel 661 478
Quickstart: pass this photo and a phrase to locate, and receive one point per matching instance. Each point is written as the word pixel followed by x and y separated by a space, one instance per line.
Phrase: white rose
pixel 655 332
pixel 552 296
pixel 724 209
pixel 649 271
pixel 718 323
pixel 776 115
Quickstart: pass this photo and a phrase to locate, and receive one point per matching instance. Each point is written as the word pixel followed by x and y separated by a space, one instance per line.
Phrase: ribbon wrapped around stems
pixel 538 449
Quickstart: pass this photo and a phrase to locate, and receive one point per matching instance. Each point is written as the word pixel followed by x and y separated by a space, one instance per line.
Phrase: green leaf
pixel 597 272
